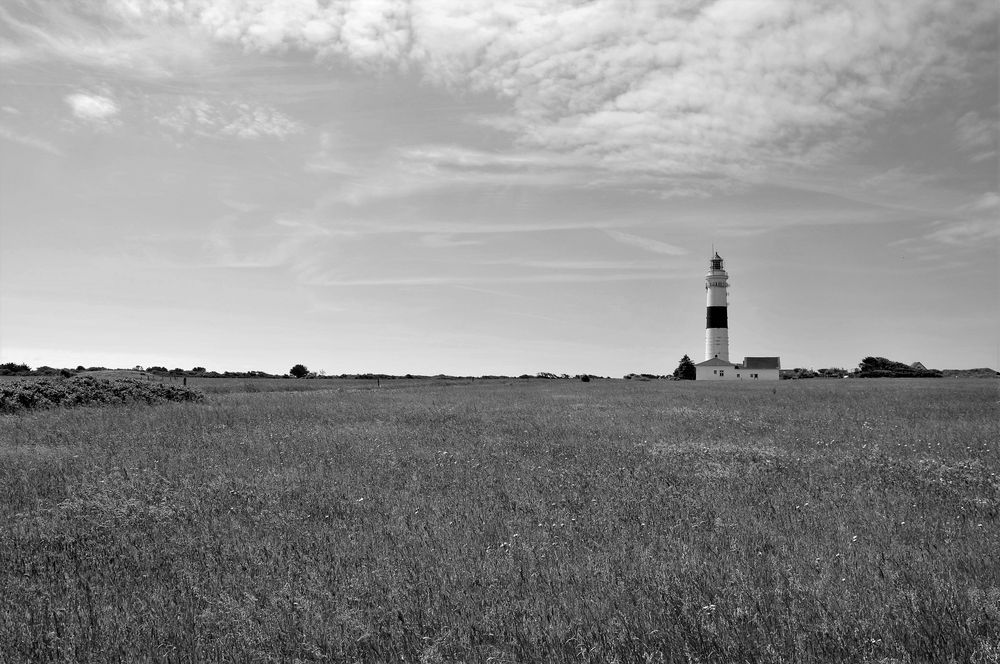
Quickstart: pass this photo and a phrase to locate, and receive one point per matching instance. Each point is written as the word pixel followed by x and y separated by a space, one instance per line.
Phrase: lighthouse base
pixel 717 343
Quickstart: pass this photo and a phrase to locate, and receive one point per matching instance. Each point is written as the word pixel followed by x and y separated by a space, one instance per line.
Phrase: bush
pixel 685 369
pixel 797 373
pixel 880 367
pixel 86 390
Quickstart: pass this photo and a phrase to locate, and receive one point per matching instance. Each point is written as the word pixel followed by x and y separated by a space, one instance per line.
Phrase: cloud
pixel 695 86
pixel 446 241
pixel 414 169
pixel 92 107
pixel 101 36
pixel 975 227
pixel 731 87
pixel 202 117
pixel 460 280
pixel 978 136
pixel 655 246
pixel 97 111
pixel 233 243
pixel 30 141
pixel 969 233
pixel 988 203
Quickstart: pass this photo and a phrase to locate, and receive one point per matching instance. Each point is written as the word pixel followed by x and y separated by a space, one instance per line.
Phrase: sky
pixel 480 187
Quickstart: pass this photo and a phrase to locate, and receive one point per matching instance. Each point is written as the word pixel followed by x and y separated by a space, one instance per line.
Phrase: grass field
pixel 509 521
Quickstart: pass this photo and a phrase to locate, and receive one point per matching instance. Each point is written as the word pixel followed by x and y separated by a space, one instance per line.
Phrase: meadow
pixel 508 521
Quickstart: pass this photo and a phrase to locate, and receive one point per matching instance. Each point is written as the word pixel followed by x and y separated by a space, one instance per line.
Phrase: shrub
pixel 880 367
pixel 86 390
pixel 685 369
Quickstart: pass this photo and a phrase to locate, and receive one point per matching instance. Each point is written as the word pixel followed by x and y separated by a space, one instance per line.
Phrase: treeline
pixel 879 367
pixel 20 369
pixel 870 367
pixel 798 373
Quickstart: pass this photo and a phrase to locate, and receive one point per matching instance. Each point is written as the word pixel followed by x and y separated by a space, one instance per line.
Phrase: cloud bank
pixel 690 86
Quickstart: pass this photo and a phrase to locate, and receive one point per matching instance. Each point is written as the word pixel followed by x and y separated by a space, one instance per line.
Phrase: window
pixel 721 372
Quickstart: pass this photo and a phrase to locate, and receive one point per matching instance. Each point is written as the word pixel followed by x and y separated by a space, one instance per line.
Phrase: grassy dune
pixel 516 521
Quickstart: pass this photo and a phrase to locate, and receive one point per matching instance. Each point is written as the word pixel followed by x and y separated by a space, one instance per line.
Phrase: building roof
pixel 762 363
pixel 715 362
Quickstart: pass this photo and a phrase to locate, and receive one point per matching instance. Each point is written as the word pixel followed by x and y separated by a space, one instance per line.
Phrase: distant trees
pixel 870 367
pixel 880 367
pixel 797 373
pixel 299 371
pixel 14 369
pixel 685 370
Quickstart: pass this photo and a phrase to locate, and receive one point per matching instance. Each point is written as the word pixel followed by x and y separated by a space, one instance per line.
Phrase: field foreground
pixel 509 521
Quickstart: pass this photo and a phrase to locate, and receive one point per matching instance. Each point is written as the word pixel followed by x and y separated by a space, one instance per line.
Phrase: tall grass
pixel 509 521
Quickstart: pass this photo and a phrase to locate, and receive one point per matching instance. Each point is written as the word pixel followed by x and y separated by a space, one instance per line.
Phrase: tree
pixel 685 370
pixel 299 371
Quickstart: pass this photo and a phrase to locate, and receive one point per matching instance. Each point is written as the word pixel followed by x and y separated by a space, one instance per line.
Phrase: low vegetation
pixel 509 521
pixel 16 396
pixel 880 367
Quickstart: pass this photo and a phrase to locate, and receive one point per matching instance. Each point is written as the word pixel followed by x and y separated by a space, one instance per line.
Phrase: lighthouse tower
pixel 717 323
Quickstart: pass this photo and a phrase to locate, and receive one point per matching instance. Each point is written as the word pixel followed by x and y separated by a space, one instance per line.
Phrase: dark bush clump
pixel 880 367
pixel 86 391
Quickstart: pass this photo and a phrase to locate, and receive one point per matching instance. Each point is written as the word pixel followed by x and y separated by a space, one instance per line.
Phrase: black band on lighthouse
pixel 717 318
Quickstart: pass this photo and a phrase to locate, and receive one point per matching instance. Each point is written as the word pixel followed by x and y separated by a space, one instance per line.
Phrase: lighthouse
pixel 717 365
pixel 717 320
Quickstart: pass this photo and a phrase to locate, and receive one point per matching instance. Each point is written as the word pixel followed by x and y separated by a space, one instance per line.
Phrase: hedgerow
pixel 25 395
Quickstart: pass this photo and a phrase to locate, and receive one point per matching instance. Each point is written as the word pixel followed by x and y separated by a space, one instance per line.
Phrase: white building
pixel 752 368
pixel 717 365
